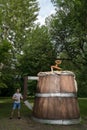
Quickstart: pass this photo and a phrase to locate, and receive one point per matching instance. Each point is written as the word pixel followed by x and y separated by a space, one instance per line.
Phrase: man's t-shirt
pixel 18 96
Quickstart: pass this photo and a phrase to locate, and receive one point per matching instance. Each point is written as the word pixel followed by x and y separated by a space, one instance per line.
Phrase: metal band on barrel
pixel 60 122
pixel 55 95
pixel 54 73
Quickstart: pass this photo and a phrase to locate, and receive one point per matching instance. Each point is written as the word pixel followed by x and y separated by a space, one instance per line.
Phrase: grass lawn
pixel 26 123
pixel 83 109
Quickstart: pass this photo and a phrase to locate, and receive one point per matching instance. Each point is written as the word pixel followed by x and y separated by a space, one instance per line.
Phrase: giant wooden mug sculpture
pixel 56 98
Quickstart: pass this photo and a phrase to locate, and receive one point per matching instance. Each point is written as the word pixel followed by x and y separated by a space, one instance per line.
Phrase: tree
pixel 16 21
pixel 5 60
pixel 68 29
pixel 38 54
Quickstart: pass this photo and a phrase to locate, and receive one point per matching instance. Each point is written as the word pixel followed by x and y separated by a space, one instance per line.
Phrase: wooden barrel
pixel 56 99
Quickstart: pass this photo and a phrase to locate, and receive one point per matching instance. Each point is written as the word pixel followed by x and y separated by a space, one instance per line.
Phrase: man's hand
pixel 15 98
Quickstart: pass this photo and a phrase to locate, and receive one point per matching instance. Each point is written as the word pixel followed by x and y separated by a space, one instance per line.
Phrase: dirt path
pixel 29 124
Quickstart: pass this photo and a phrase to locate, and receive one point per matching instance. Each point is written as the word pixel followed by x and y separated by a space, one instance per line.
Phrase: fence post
pixel 25 88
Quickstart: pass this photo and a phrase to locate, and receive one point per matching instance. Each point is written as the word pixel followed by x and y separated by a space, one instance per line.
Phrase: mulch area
pixel 26 123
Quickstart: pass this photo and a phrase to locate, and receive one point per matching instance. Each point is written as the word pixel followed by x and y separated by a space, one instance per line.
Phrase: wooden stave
pixel 44 108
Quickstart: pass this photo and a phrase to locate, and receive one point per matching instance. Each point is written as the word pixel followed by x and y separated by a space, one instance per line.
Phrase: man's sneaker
pixel 19 117
pixel 10 118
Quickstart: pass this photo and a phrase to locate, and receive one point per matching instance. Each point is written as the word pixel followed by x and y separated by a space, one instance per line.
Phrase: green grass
pixel 83 107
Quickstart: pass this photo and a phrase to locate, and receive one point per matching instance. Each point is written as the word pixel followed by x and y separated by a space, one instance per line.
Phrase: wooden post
pixel 25 88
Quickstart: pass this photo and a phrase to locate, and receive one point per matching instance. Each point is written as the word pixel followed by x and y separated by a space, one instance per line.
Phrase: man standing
pixel 16 104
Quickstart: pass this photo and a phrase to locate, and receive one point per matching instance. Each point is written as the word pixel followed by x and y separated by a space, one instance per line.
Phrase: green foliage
pixel 68 29
pixel 5 62
pixel 38 54
pixel 26 49
pixel 2 85
pixel 31 48
pixel 32 88
pixel 16 21
pixel 82 82
pixel 5 48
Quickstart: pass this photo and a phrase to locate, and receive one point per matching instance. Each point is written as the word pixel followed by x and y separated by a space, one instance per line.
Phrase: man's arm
pixel 21 96
pixel 14 97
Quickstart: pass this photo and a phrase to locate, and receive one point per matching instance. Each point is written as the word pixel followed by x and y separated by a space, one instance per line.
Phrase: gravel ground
pixel 26 123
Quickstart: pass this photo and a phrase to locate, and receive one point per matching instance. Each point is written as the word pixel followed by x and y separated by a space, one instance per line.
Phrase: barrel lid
pixel 56 73
pixel 67 73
